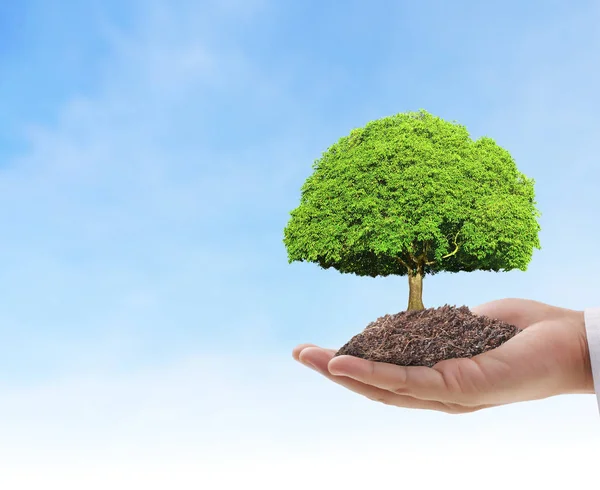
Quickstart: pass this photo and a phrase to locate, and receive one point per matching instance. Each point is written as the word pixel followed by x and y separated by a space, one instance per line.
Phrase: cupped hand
pixel 549 357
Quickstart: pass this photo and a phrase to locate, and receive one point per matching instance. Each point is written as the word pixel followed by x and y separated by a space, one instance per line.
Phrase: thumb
pixel 519 312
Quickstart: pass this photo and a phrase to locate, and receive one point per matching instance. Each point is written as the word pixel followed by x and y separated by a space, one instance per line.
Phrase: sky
pixel 150 154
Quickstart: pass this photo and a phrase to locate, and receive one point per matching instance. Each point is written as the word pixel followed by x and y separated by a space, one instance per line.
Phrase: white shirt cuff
pixel 592 328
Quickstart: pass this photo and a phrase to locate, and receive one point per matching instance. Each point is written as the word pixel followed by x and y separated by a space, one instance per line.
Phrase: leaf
pixel 411 183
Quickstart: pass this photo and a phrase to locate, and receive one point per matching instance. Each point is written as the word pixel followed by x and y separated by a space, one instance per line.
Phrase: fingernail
pixel 335 370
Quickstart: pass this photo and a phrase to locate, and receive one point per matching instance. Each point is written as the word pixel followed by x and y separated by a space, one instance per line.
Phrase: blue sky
pixel 150 153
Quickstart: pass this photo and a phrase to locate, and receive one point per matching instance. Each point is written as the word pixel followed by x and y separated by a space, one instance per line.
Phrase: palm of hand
pixel 548 358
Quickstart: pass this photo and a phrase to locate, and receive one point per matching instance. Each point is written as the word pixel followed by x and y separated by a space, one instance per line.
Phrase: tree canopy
pixel 413 193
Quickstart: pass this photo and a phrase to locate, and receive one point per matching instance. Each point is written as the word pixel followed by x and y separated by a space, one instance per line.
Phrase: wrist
pixel 586 386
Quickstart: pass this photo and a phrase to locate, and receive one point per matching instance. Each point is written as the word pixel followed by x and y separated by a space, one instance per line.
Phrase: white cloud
pixel 122 217
pixel 445 466
pixel 117 227
pixel 218 421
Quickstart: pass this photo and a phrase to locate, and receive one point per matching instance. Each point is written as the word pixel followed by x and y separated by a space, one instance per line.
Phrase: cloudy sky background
pixel 150 153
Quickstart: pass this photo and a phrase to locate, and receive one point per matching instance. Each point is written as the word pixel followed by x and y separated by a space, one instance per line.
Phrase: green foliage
pixel 414 191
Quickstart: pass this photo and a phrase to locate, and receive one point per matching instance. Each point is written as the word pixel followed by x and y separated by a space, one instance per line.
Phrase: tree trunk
pixel 415 291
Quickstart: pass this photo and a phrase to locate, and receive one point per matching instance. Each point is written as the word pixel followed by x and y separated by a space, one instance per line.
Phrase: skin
pixel 549 357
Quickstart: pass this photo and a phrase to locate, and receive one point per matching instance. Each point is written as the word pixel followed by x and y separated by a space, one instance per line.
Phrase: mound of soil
pixel 425 337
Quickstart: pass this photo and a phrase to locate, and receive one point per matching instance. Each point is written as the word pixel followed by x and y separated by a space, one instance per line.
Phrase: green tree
pixel 412 194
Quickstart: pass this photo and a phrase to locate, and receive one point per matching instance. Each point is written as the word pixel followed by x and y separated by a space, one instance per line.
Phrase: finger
pixel 529 366
pixel 320 358
pixel 519 312
pixel 296 351
pixel 299 348
pixel 417 381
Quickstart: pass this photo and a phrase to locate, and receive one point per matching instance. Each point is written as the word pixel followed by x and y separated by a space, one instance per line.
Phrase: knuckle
pixel 402 390
pixel 372 369
pixel 450 378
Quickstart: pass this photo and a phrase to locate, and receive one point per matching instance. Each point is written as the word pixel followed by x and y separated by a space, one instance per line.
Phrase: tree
pixel 412 194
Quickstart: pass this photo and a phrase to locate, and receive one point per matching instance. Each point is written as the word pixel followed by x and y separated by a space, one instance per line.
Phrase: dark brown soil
pixel 423 338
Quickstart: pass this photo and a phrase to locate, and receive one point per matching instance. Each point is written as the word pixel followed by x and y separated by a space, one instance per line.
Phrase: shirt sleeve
pixel 592 328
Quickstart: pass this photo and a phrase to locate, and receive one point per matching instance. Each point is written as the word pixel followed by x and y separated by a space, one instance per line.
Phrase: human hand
pixel 549 357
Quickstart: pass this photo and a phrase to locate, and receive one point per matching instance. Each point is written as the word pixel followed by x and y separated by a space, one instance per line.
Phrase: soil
pixel 426 337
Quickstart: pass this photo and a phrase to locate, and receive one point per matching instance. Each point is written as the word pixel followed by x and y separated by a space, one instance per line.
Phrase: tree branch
pixel 414 259
pixel 455 244
pixel 427 262
pixel 403 263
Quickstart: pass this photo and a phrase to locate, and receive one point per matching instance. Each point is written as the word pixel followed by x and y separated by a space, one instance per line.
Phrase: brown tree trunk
pixel 415 291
